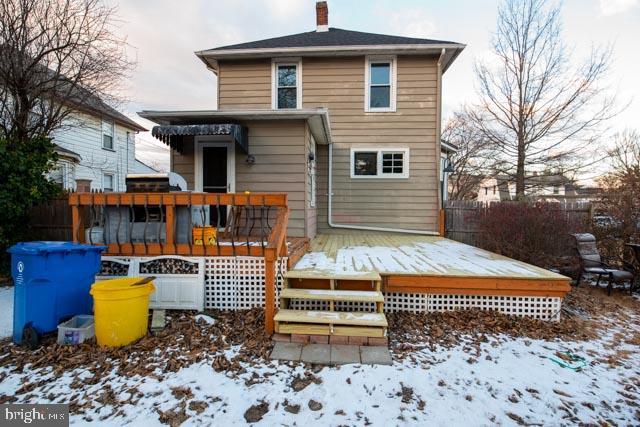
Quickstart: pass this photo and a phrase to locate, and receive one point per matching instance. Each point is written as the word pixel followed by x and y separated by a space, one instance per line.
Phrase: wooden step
pixel 320 274
pixel 332 295
pixel 316 329
pixel 332 317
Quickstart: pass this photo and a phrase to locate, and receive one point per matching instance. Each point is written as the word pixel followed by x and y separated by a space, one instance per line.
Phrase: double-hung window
pixel 380 89
pixel 107 135
pixel 287 86
pixel 107 182
pixel 380 163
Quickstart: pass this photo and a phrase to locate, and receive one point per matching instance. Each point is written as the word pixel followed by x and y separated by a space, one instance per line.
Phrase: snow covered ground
pixel 504 380
pixel 6 311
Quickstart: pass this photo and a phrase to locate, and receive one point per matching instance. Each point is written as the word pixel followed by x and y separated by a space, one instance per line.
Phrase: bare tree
pixel 534 106
pixel 625 155
pixel 56 55
pixel 474 160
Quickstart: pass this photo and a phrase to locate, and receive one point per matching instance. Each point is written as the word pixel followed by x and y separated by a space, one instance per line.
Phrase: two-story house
pixel 347 123
pixel 96 148
pixel 328 143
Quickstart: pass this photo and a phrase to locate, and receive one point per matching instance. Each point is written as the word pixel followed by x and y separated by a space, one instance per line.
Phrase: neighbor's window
pixel 107 182
pixel 107 135
pixel 380 89
pixel 286 86
pixel 380 163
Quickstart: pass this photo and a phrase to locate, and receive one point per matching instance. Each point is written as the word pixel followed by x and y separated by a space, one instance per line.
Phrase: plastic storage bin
pixel 76 330
pixel 52 283
pixel 121 310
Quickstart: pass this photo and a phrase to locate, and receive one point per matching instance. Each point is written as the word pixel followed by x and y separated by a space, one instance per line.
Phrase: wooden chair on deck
pixel 591 262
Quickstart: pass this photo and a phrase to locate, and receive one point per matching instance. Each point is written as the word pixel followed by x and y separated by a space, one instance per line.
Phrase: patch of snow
pixel 512 377
pixel 207 319
pixel 439 257
pixel 6 311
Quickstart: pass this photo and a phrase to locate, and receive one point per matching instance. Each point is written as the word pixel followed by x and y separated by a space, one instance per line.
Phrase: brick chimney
pixel 322 16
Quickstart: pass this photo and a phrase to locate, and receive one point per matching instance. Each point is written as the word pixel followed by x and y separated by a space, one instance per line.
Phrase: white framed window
pixel 108 132
pixel 286 84
pixel 380 84
pixel 107 182
pixel 379 163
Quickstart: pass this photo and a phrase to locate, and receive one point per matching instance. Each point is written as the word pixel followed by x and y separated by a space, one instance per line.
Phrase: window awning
pixel 172 135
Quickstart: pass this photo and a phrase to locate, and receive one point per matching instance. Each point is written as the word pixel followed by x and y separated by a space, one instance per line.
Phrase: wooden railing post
pixel 270 289
pixel 77 217
pixel 441 222
pixel 170 226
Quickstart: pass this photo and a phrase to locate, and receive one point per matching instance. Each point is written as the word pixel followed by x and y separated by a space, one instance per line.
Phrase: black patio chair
pixel 591 262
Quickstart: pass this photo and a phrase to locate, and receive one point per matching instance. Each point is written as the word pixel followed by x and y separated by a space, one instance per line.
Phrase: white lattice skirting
pixel 236 283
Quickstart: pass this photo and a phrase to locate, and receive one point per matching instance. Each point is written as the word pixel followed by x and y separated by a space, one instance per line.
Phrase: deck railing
pixel 247 224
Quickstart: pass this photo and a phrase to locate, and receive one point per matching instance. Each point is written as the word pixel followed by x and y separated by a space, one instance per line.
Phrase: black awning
pixel 172 135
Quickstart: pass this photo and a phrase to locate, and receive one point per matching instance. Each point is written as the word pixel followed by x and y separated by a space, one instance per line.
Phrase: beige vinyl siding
pixel 244 84
pixel 338 84
pixel 279 151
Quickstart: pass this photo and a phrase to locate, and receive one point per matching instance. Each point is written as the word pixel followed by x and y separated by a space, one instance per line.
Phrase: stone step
pixel 332 295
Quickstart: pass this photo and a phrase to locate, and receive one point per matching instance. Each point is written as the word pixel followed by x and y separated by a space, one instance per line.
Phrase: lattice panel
pixel 394 301
pixel 338 305
pixel 545 308
pixel 237 283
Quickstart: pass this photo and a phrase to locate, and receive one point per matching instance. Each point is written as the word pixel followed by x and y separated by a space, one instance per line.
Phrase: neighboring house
pixel 346 122
pixel 141 167
pixel 96 148
pixel 552 188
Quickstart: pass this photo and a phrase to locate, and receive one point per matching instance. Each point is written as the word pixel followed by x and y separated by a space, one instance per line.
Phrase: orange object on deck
pixel 204 235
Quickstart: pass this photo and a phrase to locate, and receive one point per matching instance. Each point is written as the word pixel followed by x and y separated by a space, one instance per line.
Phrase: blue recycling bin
pixel 52 283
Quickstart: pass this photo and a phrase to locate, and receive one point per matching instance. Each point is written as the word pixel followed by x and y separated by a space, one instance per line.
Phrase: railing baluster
pixel 159 227
pixel 146 222
pixel 119 222
pixel 262 226
pixel 190 230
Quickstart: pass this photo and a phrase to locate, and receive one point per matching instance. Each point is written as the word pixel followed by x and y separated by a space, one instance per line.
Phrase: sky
pixel 164 34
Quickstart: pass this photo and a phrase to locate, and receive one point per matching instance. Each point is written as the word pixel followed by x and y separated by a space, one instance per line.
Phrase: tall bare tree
pixel 474 160
pixel 535 107
pixel 54 56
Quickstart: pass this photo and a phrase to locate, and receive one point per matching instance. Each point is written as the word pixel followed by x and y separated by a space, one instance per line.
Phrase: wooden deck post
pixel 270 289
pixel 441 225
pixel 77 218
pixel 170 230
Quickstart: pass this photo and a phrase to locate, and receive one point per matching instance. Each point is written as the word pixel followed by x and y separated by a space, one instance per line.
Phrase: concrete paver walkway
pixel 326 354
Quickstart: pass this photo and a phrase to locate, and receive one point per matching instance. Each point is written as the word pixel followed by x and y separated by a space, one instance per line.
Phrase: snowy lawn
pixel 457 374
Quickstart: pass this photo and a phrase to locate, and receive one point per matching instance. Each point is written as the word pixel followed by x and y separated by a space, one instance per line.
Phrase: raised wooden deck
pixel 425 264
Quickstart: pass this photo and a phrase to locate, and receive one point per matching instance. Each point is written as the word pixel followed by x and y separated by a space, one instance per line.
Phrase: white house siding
pixel 82 134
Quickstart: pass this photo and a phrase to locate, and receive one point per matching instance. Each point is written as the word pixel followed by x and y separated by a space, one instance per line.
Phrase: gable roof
pixel 335 41
pixel 333 37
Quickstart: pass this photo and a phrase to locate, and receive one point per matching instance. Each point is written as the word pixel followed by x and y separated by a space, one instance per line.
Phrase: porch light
pixel 250 159
pixel 449 167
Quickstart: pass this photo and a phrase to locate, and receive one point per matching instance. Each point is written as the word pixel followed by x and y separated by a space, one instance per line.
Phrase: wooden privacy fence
pixel 460 217
pixel 52 220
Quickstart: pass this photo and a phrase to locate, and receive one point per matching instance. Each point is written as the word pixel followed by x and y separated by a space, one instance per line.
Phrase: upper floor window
pixel 287 85
pixel 380 163
pixel 107 135
pixel 380 89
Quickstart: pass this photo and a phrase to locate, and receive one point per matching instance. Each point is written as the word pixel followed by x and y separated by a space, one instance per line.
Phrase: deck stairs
pixel 331 321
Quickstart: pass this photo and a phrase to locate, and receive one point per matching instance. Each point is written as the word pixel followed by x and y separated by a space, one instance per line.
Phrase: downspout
pixel 439 131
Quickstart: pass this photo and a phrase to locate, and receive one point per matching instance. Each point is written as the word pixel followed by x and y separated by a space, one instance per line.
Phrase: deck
pixel 426 264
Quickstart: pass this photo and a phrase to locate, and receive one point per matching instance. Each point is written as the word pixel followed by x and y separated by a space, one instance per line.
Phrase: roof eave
pixel 318 118
pixel 216 54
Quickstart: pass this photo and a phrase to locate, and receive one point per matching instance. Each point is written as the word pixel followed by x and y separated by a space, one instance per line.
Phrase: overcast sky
pixel 163 35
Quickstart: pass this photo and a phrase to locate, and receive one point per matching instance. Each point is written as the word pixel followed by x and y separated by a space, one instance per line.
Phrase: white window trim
pixel 215 141
pixel 113 135
pixel 113 181
pixel 393 80
pixel 274 81
pixel 380 151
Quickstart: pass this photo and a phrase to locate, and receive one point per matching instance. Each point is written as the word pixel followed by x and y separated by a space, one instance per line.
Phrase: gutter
pixel 361 227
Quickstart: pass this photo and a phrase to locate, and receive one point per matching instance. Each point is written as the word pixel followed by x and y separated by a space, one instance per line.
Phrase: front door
pixel 215 179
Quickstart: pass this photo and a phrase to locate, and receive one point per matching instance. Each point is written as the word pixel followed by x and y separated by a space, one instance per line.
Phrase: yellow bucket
pixel 121 310
pixel 204 234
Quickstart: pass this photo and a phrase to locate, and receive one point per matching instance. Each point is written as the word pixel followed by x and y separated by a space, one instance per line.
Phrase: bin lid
pixel 44 247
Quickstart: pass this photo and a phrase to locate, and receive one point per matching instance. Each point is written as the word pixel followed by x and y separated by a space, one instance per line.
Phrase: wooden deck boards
pixel 426 264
